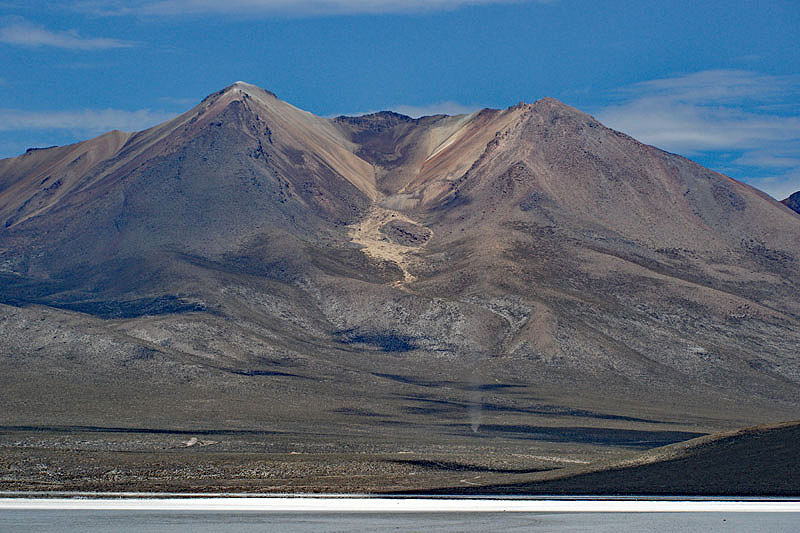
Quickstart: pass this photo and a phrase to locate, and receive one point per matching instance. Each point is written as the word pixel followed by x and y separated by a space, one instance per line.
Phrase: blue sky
pixel 717 81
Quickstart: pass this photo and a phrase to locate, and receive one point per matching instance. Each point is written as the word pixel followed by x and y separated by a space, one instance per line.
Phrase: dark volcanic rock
pixel 793 202
pixel 405 233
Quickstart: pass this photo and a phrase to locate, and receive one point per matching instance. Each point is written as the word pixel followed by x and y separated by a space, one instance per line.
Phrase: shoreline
pixel 354 503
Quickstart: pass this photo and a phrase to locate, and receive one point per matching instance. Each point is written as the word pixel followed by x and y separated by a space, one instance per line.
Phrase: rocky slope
pixel 793 202
pixel 250 265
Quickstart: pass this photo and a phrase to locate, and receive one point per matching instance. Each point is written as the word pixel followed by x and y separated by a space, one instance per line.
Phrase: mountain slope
pixel 793 202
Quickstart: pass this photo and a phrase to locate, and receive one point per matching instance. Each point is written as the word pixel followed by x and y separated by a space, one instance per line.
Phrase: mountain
pixel 793 202
pixel 520 277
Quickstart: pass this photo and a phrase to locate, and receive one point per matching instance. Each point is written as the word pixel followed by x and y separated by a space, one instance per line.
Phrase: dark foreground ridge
pixel 756 461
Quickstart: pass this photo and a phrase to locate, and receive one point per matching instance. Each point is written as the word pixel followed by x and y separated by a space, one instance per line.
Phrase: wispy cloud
pixel 85 65
pixel 281 7
pixel 180 102
pixel 748 123
pixel 88 121
pixel 24 33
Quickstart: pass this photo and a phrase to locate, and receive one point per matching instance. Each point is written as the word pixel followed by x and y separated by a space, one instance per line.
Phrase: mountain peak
pixel 249 89
pixel 239 88
pixel 549 100
pixel 555 111
pixel 554 105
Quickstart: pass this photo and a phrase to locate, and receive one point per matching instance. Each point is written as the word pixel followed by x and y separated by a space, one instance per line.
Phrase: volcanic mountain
pixel 249 266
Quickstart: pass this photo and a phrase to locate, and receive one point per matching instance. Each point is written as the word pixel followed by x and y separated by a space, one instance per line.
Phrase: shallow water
pixel 186 521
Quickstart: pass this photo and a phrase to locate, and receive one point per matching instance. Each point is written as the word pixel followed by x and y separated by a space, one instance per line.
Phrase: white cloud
pixel 285 7
pixel 716 87
pixel 691 127
pixel 182 102
pixel 779 187
pixel 749 120
pixel 23 33
pixel 90 121
pixel 770 160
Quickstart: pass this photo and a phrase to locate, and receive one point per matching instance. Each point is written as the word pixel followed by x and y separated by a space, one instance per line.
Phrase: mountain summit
pixel 250 264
